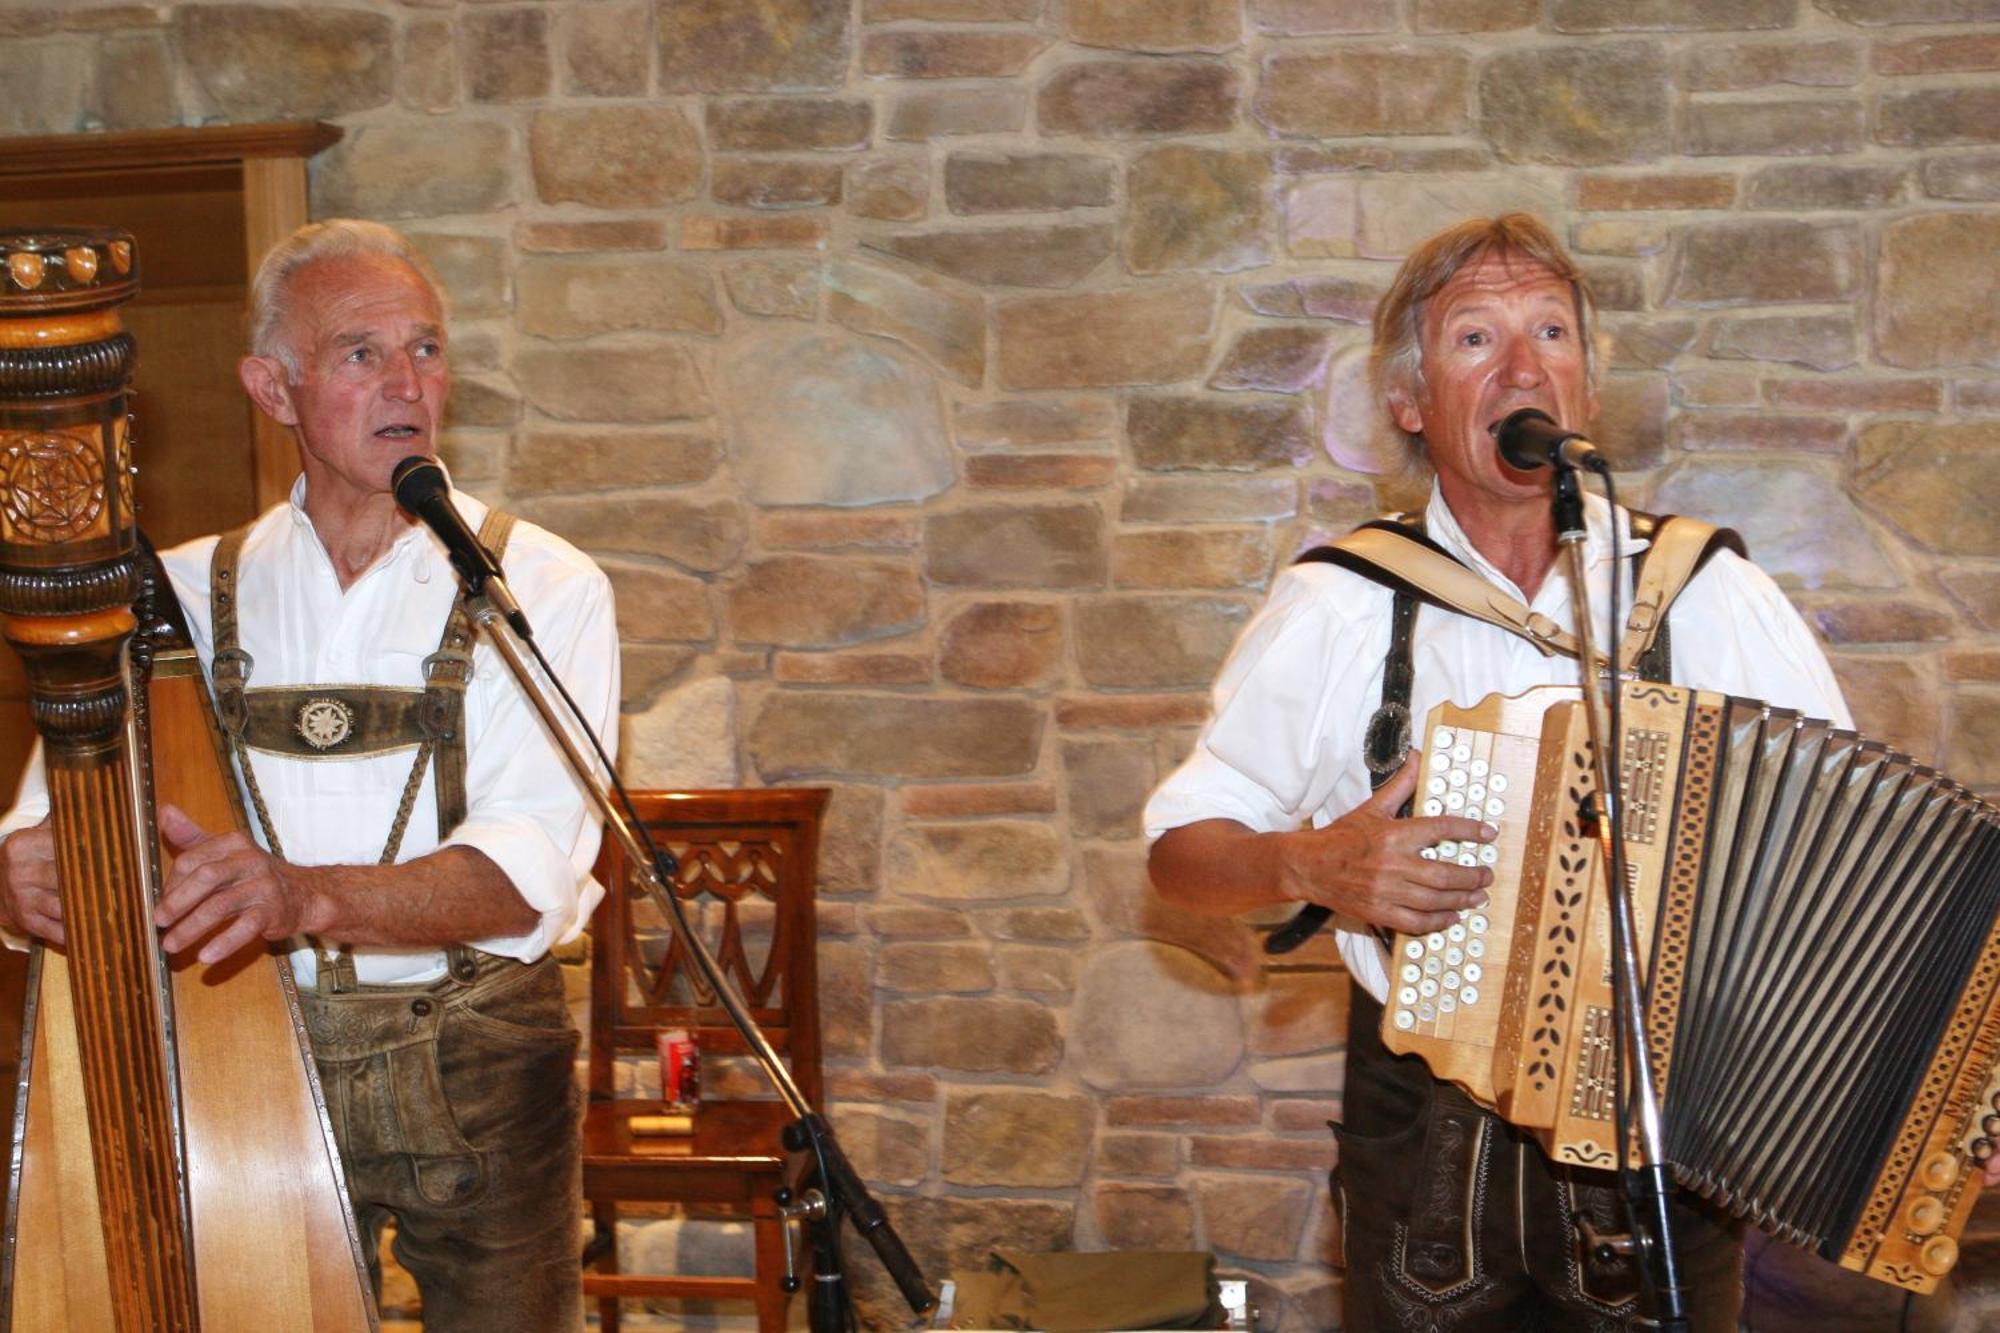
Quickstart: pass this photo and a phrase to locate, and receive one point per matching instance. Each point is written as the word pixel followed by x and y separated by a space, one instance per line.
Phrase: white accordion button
pixel 1405 1020
pixel 1442 741
pixel 1473 972
pixel 1413 948
pixel 1497 783
pixel 1433 806
pixel 1469 996
pixel 1479 768
pixel 1475 948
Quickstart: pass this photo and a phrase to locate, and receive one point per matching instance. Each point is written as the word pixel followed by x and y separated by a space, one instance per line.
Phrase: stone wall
pixel 942 380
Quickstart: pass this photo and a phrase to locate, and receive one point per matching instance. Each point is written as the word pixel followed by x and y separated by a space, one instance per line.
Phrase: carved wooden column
pixel 67 580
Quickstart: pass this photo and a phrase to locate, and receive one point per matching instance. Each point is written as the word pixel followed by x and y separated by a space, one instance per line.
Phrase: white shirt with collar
pixel 1284 744
pixel 523 808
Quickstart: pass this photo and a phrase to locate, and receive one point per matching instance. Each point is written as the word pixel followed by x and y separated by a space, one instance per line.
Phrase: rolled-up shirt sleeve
pixel 525 809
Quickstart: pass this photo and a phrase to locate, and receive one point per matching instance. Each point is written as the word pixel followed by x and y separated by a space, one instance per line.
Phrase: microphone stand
pixel 1648 1187
pixel 833 1188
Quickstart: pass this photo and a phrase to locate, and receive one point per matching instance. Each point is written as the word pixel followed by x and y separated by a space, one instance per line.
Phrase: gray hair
pixel 336 238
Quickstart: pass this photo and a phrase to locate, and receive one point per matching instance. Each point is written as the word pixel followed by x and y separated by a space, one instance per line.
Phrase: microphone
pixel 1529 438
pixel 420 487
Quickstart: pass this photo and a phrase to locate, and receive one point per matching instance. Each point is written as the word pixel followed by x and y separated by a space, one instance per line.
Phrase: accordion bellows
pixel 1816 918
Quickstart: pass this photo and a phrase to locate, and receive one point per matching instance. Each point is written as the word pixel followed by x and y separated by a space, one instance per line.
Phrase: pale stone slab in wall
pixel 1149 1015
pixel 262 62
pixel 704 535
pixel 614 156
pixel 549 459
pixel 1800 525
pixel 686 739
pixel 656 379
pixel 726 46
pixel 817 601
pixel 577 297
pixel 1146 335
pixel 1938 290
pixel 1018 1137
pixel 928 314
pixel 383 170
pixel 1057 256
pixel 1939 483
pixel 800 735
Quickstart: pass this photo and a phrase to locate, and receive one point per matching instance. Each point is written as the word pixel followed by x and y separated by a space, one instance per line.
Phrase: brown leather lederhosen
pixel 1465 1224
pixel 350 721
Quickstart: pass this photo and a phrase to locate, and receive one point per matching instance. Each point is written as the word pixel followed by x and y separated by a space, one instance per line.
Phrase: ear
pixel 264 380
pixel 1403 410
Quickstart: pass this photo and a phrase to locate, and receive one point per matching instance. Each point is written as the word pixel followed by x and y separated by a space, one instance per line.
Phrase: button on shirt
pixel 524 809
pixel 1284 745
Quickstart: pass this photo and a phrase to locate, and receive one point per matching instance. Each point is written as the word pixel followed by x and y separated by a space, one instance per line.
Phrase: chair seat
pixel 734 1155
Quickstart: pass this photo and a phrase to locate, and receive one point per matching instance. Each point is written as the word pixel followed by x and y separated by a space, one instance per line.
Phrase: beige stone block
pixel 1062 925
pixel 1656 190
pixel 1145 335
pixel 852 668
pixel 506 54
pixel 885 1147
pixel 1372 90
pixel 711 231
pixel 1800 524
pixel 973 799
pixel 657 380
pixel 1003 545
pixel 1632 420
pixel 1648 342
pixel 829 420
pixel 1577 105
pixel 976 1036
pixel 1668 15
pixel 1108 782
pixel 1303 1114
pixel 1121 99
pixel 686 739
pixel 817 601
pixel 261 62
pixel 788 124
pixel 1977 592
pixel 705 535
pixel 1002 645
pixel 985 182
pixel 1152 1016
pixel 577 297
pixel 1143 1217
pixel 850 840
pixel 1346 300
pixel 1198 208
pixel 476 402
pixel 427 79
pixel 1154 1155
pixel 1123 902
pixel 1711 386
pixel 659 605
pixel 707 46
pixel 1165 1111
pixel 1818 342
pixel 1259 1220
pixel 919 966
pixel 846 1000
pixel 604 50
pixel 1201 558
pixel 1176 432
pixel 1932 117
pixel 1958 52
pixel 1804 186
pixel 941 321
pixel 552 459
pixel 900 921
pixel 645 669
pixel 1894 700
pixel 1474 15
pixel 1065 472
pixel 951 11
pixel 1817 128
pixel 588 237
pixel 1972 737
pixel 1938 483
pixel 1239 1152
pixel 135 85
pixel 1730 67
pixel 993 859
pixel 780 287
pixel 1876 620
pixel 1058 256
pixel 1025 1138
pixel 614 156
pixel 1397 215
pixel 1285 359
pixel 1312 18
pixel 1763 263
pixel 889 189
pixel 1130 712
pixel 1207 499
pixel 774 183
pixel 1856 395
pixel 1151 642
pixel 386 170
pixel 1037 969
pixel 474 270
pixel 1031 423
pixel 813 734
pixel 1938 290
pixel 1169 26
pixel 969 54
pixel 938 113
pixel 819 529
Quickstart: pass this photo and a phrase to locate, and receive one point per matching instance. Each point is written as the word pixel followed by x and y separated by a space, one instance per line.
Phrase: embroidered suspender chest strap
pixel 1394 552
pixel 349 721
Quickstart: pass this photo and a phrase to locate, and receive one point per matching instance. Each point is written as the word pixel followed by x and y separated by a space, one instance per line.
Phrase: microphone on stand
pixel 420 487
pixel 1529 438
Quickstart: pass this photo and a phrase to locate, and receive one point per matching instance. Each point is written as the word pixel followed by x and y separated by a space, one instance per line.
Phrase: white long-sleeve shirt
pixel 1293 699
pixel 523 808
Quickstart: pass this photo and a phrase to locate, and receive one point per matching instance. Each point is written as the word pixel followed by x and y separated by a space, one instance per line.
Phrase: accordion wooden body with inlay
pixel 1816 920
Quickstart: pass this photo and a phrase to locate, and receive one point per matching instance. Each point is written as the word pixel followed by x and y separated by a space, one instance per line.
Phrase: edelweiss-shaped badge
pixel 324 723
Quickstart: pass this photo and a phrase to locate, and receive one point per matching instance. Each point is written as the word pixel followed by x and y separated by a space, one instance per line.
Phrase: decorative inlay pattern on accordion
pixel 728 884
pixel 1561 937
pixel 1676 923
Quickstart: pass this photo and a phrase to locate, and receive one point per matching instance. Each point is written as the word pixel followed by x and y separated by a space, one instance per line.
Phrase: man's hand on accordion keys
pixel 29 902
pixel 1368 864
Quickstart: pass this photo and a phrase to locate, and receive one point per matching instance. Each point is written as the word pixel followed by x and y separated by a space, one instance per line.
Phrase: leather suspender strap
pixel 1681 546
pixel 446 674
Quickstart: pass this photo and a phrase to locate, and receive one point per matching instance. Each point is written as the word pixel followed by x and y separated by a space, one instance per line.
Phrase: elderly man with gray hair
pixel 420 845
pixel 1450 1218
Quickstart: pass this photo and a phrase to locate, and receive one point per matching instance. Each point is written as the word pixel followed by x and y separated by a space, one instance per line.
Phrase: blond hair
pixel 336 238
pixel 1396 355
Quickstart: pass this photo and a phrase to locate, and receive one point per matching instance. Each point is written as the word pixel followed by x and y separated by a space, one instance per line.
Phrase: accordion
pixel 1816 921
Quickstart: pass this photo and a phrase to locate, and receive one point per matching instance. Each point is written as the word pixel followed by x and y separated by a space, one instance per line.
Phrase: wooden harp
pixel 173 1168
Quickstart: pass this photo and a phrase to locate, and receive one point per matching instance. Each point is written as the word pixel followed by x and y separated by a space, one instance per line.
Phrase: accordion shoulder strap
pixel 1681 546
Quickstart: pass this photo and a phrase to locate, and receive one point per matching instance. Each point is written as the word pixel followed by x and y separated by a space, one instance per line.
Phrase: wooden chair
pixel 746 873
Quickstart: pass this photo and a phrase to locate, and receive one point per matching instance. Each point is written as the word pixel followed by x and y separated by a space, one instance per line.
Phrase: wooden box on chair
pixel 746 868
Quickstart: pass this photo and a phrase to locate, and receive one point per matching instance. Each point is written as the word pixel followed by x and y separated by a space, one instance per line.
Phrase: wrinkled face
pixel 1502 334
pixel 368 337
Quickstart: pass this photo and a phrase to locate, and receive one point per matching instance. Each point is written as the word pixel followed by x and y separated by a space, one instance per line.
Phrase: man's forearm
pixel 449 896
pixel 1218 867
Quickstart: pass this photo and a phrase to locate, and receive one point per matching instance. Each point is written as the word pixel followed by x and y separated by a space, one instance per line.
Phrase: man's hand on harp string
pixel 1368 864
pixel 29 902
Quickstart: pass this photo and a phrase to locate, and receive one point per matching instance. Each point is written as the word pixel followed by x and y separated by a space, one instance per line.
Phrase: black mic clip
pixel 1530 438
